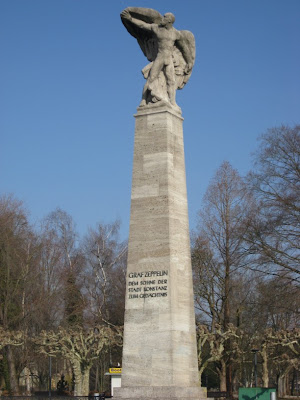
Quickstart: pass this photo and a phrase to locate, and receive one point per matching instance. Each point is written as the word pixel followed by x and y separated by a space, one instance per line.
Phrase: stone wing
pixel 145 38
pixel 184 55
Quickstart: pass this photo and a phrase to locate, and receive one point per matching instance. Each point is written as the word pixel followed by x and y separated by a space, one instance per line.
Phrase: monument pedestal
pixel 160 393
pixel 159 351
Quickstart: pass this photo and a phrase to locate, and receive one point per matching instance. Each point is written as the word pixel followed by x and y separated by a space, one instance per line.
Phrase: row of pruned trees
pixel 246 262
pixel 79 346
pixel 54 287
pixel 278 353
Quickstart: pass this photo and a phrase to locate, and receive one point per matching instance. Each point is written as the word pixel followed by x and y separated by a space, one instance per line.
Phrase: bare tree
pixel 275 233
pixel 81 348
pixel 60 229
pixel 280 351
pixel 208 283
pixel 19 254
pixel 7 340
pixel 212 349
pixel 105 272
pixel 51 272
pixel 223 222
pixel 277 304
pixel 11 338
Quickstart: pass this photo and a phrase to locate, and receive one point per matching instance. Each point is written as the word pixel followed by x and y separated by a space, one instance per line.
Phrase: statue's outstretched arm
pixel 126 15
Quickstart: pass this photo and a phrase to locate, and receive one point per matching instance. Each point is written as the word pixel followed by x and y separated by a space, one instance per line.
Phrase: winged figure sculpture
pixel 171 53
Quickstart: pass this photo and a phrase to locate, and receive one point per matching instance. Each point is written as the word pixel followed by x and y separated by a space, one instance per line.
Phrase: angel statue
pixel 171 53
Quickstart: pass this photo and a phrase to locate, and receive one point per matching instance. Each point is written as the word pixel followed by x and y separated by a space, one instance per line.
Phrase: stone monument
pixel 159 351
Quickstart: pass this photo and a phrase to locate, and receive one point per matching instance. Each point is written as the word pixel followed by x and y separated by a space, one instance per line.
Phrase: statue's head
pixel 168 18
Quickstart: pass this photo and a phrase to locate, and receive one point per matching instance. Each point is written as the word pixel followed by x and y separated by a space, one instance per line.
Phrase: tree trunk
pixel 28 381
pixel 229 375
pixel 85 382
pixel 222 376
pixel 14 385
pixel 282 384
pixel 97 378
pixel 82 380
pixel 227 345
pixel 265 371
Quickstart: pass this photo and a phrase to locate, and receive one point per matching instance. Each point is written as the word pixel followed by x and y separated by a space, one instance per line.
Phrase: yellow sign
pixel 115 370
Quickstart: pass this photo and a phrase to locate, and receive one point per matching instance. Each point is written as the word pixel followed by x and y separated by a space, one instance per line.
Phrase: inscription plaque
pixel 140 288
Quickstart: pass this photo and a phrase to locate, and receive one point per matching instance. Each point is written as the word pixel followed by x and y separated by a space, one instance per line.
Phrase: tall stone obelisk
pixel 159 351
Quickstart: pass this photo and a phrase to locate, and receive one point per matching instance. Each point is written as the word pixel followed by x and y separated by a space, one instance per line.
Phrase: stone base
pixel 160 393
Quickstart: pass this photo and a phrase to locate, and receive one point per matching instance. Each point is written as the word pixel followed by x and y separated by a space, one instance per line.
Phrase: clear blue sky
pixel 70 83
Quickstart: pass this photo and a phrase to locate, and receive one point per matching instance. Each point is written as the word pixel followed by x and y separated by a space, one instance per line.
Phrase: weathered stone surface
pixel 161 392
pixel 159 352
pixel 171 52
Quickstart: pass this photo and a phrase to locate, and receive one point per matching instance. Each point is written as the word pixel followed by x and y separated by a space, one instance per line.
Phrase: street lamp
pixel 254 351
pixel 50 375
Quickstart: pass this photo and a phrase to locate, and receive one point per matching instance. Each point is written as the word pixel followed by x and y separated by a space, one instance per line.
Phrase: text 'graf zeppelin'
pixel 142 285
